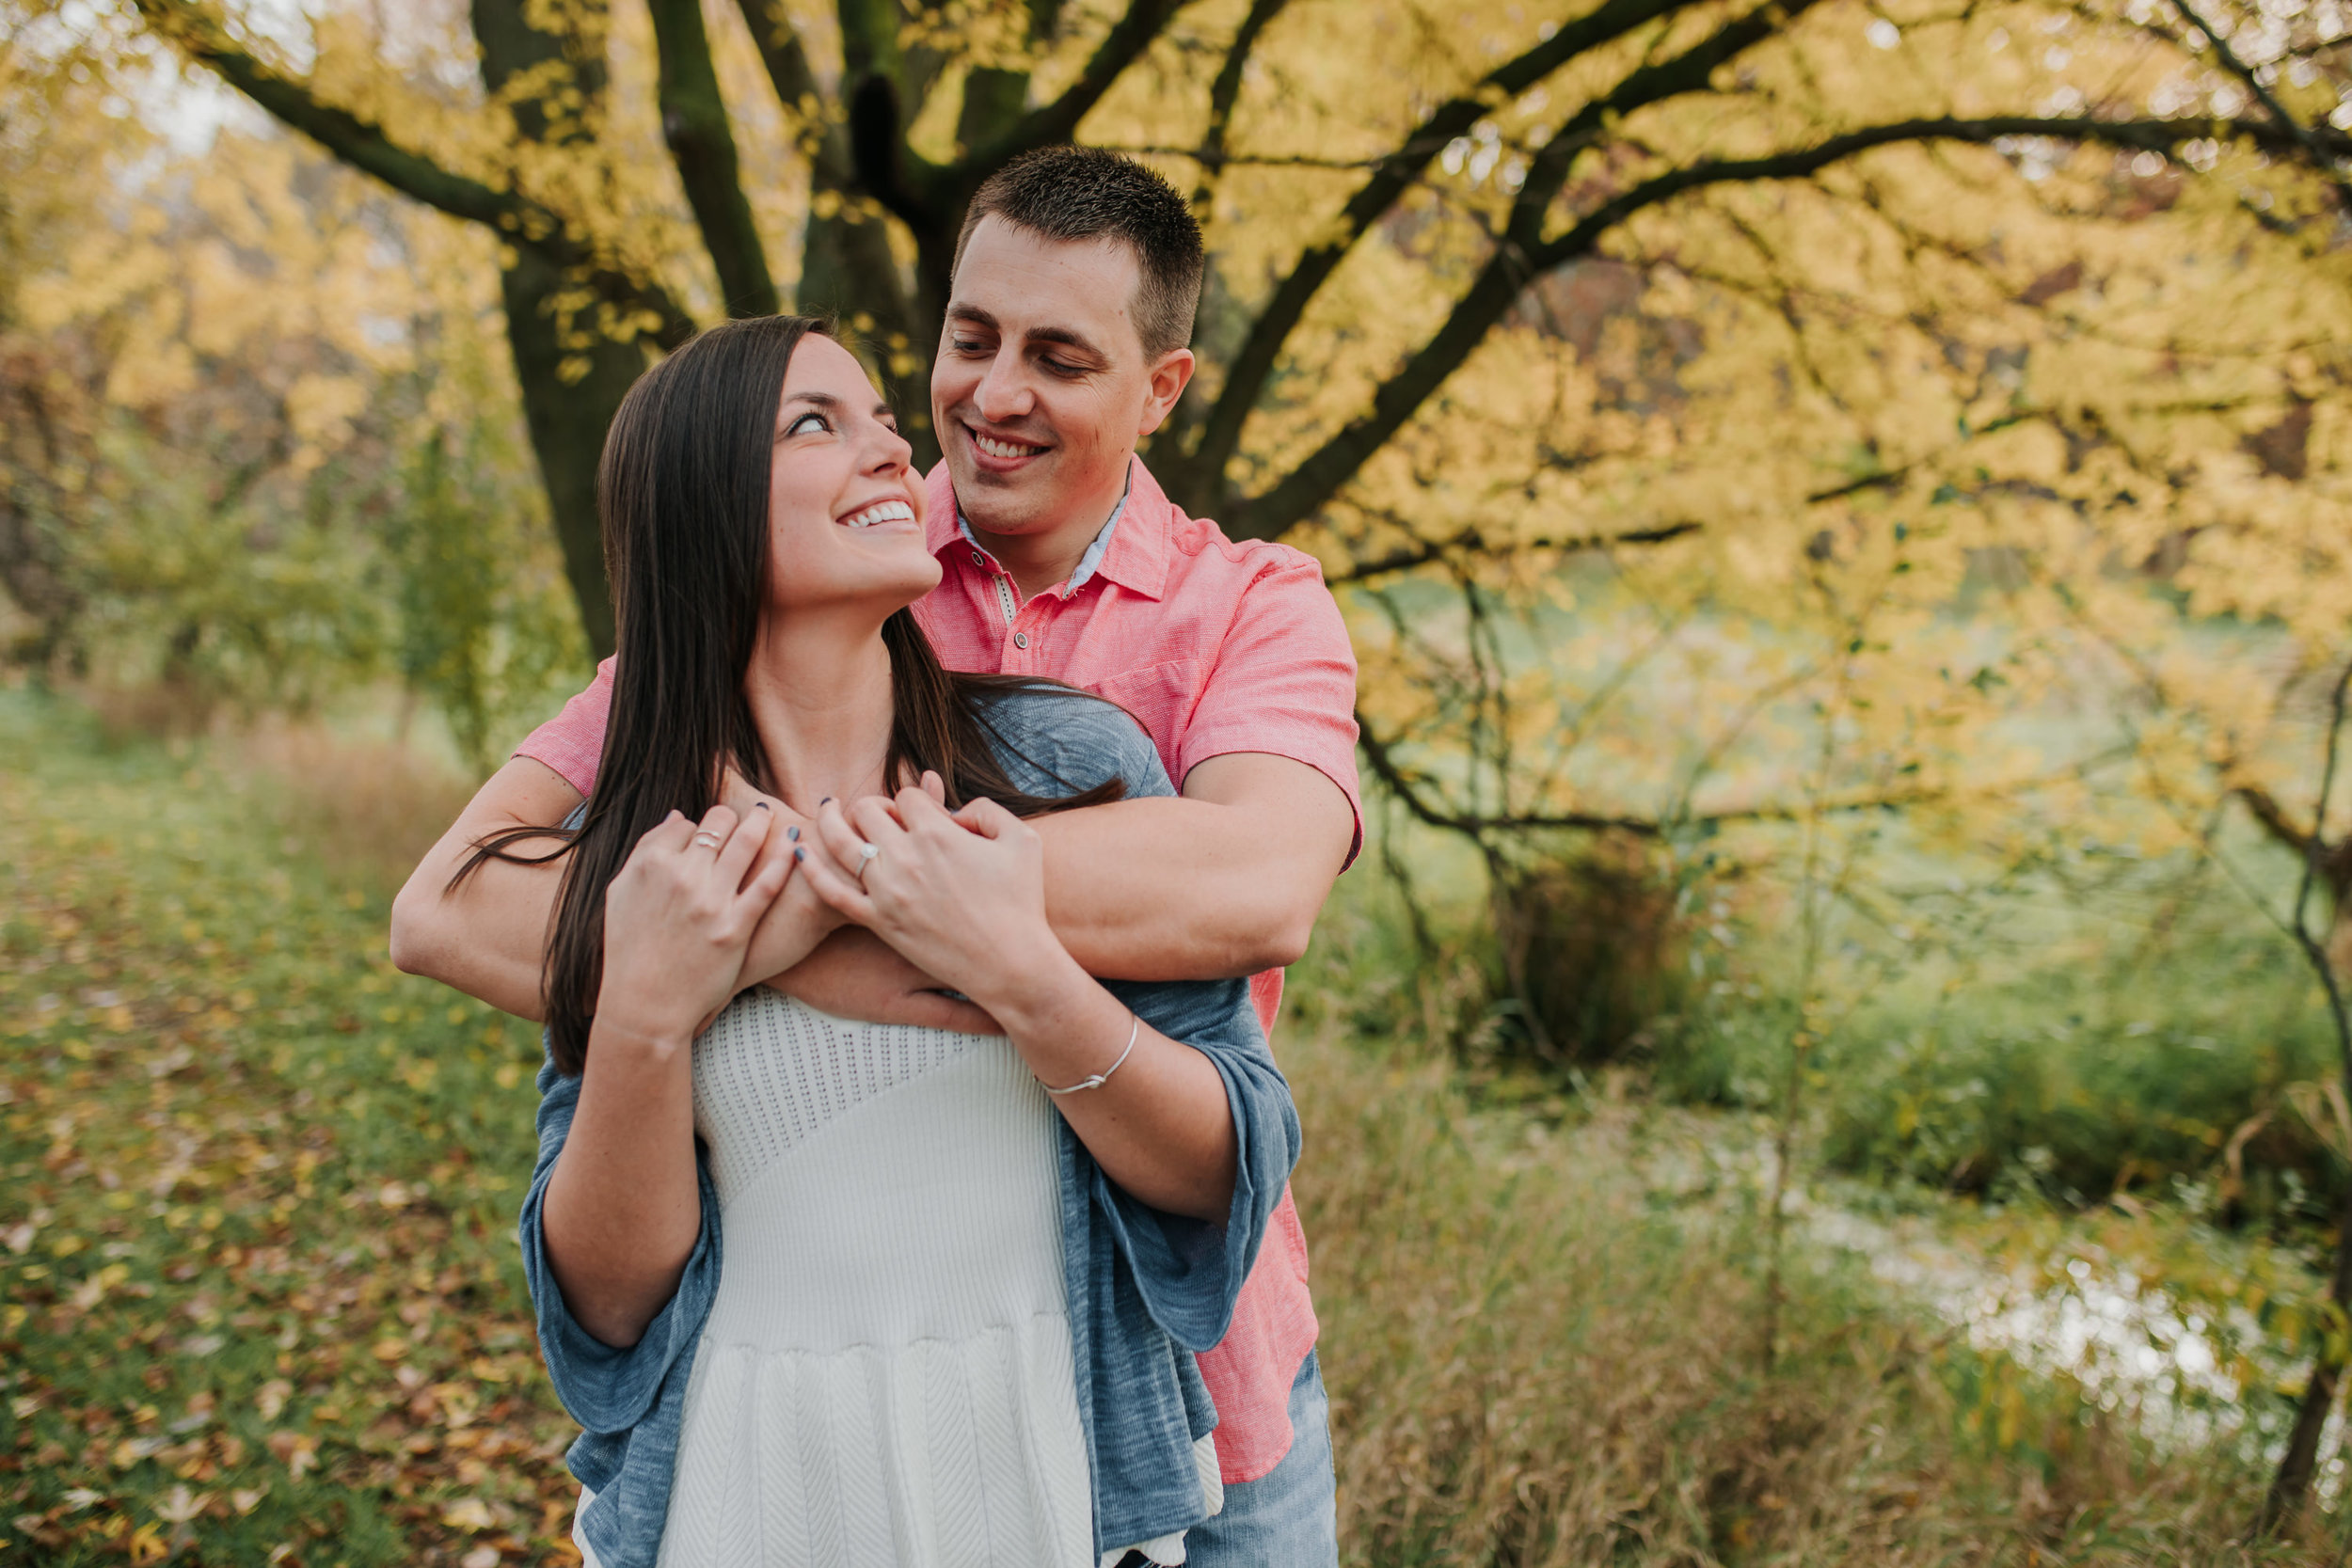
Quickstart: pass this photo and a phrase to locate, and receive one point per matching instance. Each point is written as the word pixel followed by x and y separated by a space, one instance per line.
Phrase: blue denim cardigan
pixel 1146 1290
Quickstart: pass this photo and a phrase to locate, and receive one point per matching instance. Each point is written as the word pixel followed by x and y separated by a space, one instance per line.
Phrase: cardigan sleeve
pixel 1190 1272
pixel 609 1389
pixel 1187 1272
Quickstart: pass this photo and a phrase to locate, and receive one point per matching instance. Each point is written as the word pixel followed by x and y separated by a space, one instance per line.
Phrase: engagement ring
pixel 866 855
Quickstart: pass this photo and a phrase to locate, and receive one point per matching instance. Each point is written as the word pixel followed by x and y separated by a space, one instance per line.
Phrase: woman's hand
pixel 960 894
pixel 963 894
pixel 798 921
pixel 678 919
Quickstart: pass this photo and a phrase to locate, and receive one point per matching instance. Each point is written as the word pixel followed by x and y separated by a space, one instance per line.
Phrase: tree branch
pixel 789 72
pixel 1408 787
pixel 2273 817
pixel 360 143
pixel 701 144
pixel 1470 540
pixel 1516 263
pixel 1224 93
pixel 365 145
pixel 2264 96
pixel 1253 366
pixel 1058 121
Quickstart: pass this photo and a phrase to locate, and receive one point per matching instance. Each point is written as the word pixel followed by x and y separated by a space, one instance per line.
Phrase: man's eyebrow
pixel 958 311
pixel 1069 338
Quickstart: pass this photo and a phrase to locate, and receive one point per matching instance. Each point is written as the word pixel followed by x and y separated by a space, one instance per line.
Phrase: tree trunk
pixel 847 271
pixel 567 414
pixel 2293 1483
pixel 567 422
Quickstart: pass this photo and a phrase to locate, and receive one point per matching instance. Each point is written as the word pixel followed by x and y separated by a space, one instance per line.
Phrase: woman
pixel 966 1273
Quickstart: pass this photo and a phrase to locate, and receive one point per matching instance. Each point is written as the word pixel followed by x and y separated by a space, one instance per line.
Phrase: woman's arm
pixel 964 898
pixel 623 1206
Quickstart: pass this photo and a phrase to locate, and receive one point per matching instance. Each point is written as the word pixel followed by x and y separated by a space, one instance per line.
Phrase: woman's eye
pixel 806 421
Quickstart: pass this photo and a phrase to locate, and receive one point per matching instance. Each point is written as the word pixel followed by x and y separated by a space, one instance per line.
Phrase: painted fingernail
pixel 800 854
pixel 761 805
pixel 792 833
pixel 826 802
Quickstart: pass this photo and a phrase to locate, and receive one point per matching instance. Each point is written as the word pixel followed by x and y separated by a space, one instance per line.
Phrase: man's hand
pixel 1222 882
pixel 804 950
pixel 963 894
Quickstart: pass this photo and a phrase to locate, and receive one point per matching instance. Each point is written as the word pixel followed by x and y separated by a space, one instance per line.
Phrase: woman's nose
pixel 889 451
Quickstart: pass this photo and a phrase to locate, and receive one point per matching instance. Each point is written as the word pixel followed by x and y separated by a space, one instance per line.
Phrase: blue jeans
pixel 1288 1517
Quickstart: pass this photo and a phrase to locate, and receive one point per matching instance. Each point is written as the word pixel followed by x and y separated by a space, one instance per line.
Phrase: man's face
pixel 1041 386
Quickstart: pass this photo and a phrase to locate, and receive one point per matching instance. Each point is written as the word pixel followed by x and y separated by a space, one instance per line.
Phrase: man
pixel 1074 287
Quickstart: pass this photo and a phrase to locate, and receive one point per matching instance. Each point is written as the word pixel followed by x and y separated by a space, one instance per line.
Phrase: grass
pixel 259 1301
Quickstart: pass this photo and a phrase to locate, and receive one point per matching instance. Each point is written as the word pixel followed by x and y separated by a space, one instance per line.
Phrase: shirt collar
pixel 1135 555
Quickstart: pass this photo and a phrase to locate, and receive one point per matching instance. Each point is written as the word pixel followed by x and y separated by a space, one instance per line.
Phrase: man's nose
pixel 1004 392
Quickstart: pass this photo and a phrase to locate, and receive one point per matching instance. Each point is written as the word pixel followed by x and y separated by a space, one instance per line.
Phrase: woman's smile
pixel 894 509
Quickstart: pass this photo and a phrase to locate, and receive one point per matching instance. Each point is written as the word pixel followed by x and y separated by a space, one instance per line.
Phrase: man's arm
pixel 489 937
pixel 1225 881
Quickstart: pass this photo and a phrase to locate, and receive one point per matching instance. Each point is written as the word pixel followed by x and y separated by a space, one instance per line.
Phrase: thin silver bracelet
pixel 1098 1079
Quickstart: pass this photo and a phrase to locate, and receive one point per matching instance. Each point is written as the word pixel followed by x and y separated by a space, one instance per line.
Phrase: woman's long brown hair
pixel 683 494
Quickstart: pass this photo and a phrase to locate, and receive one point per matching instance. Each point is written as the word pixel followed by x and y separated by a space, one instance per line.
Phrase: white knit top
pixel 886 1374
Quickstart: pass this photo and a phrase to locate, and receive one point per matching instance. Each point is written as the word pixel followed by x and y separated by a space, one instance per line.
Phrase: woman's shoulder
pixel 1057 739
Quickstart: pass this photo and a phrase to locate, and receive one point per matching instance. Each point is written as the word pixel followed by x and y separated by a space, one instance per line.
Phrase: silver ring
pixel 866 855
pixel 707 840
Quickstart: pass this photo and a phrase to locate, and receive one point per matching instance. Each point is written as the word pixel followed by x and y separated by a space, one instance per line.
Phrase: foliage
pixel 1478 272
pixel 2116 1076
pixel 254 454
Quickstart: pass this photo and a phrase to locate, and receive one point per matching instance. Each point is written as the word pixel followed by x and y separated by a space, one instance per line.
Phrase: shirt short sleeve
pixel 572 742
pixel 1283 682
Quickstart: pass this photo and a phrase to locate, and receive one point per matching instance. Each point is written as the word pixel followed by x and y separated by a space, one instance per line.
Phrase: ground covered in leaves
pixel 262 1299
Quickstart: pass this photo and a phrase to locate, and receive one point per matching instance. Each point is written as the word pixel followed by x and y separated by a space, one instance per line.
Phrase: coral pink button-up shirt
pixel 1215 647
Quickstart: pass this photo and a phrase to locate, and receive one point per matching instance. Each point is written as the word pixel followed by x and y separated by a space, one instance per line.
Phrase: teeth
pixel 880 511
pixel 994 448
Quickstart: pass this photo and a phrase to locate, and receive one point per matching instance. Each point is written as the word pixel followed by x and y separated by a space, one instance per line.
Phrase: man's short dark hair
pixel 1084 192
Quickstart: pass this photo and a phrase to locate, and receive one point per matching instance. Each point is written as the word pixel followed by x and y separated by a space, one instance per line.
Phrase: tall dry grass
pixel 1539 1356
pixel 369 809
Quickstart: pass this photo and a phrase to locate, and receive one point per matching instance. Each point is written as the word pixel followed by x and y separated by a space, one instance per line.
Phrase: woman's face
pixel 845 508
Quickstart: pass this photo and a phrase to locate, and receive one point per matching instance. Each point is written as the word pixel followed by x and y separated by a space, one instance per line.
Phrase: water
pixel 2133 1347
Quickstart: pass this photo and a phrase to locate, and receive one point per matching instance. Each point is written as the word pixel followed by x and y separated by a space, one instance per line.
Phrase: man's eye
pixel 967 346
pixel 797 425
pixel 1063 366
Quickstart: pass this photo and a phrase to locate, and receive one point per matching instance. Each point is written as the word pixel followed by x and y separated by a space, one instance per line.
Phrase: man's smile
pixel 1003 454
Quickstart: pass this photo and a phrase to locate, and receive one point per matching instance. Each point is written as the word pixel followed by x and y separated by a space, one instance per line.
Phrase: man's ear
pixel 1170 373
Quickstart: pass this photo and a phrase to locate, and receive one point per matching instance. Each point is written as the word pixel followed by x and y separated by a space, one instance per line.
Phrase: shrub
pixel 1590 954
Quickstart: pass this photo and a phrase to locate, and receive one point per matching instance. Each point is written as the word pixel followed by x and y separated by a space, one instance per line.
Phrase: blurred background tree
pixel 1511 149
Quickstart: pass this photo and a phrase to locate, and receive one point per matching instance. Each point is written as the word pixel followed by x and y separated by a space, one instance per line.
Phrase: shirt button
pixel 978 560
pixel 1021 639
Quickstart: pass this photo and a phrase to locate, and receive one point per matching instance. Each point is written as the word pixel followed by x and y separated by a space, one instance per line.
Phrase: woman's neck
pixel 819 694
